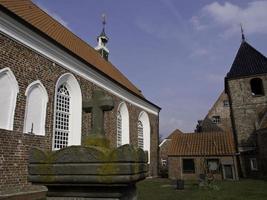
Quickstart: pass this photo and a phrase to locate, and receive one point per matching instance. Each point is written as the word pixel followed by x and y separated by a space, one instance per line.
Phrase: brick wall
pixel 14 157
pixel 29 66
pixel 175 169
pixel 163 151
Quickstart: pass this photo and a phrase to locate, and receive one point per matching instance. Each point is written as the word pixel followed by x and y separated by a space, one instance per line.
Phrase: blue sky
pixel 176 51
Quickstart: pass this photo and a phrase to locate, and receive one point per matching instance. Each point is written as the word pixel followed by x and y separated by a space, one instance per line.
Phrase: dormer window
pixel 256 87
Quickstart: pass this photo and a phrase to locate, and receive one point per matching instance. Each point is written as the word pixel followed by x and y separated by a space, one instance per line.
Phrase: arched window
pixel 144 129
pixel 8 89
pixel 123 136
pixel 35 112
pixel 256 86
pixel 140 131
pixel 119 128
pixel 68 112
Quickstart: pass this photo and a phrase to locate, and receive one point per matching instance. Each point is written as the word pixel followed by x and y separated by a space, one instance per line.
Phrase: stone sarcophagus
pixel 93 170
pixel 88 171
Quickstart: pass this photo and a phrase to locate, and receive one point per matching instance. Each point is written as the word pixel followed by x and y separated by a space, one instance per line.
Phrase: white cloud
pixel 229 16
pixel 197 24
pixel 54 15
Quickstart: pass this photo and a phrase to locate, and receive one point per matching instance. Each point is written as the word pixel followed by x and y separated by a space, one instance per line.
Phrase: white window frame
pixel 75 108
pixel 119 129
pixel 140 134
pixel 15 90
pixel 42 110
pixel 253 162
pixel 125 124
pixel 62 121
pixel 144 118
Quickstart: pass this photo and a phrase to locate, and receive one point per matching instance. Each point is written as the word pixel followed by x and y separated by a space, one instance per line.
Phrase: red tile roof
pixel 174 133
pixel 201 144
pixel 40 20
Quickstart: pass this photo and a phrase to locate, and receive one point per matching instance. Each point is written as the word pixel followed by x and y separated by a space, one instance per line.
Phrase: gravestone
pixel 93 170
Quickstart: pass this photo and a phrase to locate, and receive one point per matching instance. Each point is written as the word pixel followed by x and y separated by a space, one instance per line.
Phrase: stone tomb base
pixel 89 172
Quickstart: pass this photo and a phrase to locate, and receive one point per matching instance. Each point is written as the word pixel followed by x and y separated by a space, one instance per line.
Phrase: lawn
pixel 151 189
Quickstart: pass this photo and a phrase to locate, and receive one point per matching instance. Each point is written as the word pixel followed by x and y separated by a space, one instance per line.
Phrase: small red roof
pixel 201 144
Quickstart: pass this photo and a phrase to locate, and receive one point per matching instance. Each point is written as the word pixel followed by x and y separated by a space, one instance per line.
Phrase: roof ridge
pixel 66 39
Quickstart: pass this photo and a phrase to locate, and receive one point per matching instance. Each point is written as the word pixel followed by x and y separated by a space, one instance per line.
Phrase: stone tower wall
pixel 246 108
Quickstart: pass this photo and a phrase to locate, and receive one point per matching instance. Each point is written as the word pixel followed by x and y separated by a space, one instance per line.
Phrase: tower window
pixel 256 87
pixel 216 119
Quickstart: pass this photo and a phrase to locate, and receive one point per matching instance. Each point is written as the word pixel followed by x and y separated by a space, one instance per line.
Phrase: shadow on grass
pixel 151 189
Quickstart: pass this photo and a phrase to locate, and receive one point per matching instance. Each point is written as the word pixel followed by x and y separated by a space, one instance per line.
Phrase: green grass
pixel 151 189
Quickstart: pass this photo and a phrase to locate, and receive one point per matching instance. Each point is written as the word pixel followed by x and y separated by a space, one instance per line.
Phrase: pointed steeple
pixel 248 61
pixel 102 40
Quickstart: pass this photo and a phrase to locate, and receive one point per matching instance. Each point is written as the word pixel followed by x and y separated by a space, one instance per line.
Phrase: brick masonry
pixel 176 170
pixel 29 66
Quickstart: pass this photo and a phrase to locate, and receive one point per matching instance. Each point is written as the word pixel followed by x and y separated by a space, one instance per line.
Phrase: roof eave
pixel 33 28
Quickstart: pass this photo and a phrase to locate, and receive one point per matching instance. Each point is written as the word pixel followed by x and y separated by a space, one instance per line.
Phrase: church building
pixel 46 72
pixel 246 87
pixel 235 127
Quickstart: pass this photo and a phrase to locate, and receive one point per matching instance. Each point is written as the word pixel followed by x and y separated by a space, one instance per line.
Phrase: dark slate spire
pixel 102 40
pixel 248 61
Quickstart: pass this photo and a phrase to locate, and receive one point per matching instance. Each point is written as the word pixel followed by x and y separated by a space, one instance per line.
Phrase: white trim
pixel 7 71
pixel 252 167
pixel 75 121
pixel 38 84
pixel 27 37
pixel 143 117
pixel 125 125
pixel 165 140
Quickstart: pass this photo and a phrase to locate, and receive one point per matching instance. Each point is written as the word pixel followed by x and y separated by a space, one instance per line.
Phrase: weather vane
pixel 242 32
pixel 103 19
